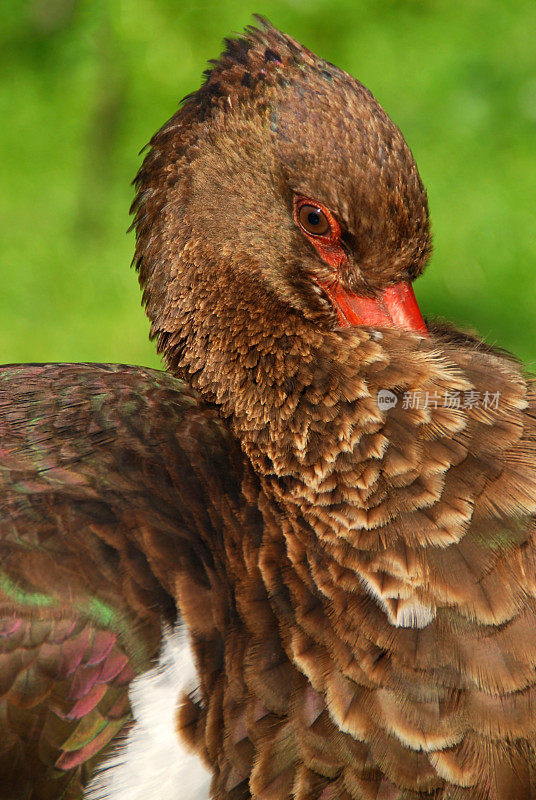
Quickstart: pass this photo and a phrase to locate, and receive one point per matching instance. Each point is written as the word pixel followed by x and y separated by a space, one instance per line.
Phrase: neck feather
pixel 303 402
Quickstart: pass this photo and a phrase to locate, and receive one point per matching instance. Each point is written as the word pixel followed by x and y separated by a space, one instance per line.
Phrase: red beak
pixel 396 306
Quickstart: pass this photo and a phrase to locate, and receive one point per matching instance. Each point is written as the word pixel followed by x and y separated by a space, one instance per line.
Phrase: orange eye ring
pixel 316 221
pixel 321 228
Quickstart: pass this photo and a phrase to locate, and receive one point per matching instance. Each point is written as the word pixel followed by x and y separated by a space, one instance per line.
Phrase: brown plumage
pixel 359 584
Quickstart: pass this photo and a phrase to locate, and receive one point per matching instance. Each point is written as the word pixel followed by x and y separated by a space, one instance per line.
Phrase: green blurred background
pixel 85 83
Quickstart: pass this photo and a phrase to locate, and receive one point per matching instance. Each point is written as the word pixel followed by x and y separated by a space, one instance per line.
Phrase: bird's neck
pixel 346 479
pixel 301 400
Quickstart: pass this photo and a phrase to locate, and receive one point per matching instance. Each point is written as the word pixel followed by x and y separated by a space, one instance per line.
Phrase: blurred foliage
pixel 86 83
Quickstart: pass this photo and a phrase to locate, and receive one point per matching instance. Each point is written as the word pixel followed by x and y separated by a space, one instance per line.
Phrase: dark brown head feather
pixel 214 194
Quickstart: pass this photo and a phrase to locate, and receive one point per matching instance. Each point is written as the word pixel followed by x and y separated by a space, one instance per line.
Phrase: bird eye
pixel 313 220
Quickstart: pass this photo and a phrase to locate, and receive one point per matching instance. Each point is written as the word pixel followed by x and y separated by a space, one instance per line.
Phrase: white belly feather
pixel 152 763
